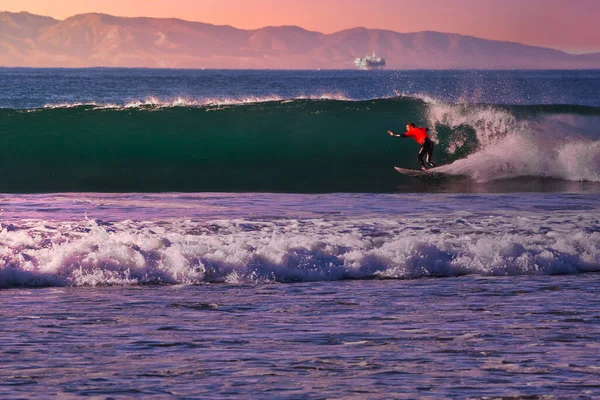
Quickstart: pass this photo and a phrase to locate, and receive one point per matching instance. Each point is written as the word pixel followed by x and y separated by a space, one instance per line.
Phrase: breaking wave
pixel 325 143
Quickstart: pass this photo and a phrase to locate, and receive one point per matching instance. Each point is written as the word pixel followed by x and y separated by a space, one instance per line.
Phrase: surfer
pixel 420 136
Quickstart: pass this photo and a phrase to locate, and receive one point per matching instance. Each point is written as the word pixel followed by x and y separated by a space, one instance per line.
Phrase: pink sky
pixel 570 25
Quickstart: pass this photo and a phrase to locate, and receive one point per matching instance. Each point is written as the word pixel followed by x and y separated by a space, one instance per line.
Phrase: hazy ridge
pixel 91 40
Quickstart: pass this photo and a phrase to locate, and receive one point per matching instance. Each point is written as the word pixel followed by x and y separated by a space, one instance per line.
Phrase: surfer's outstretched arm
pixel 400 135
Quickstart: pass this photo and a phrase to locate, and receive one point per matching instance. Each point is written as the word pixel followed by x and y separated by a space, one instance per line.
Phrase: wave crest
pixel 156 102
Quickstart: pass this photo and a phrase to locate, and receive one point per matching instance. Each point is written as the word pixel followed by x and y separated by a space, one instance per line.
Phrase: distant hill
pixel 90 40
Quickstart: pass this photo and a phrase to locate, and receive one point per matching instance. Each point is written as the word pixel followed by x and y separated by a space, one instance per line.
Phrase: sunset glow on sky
pixel 570 25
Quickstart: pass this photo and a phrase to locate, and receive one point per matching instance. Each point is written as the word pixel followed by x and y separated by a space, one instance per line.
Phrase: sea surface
pixel 219 234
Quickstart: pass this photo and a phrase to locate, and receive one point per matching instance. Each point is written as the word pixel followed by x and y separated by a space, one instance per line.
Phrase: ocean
pixel 219 234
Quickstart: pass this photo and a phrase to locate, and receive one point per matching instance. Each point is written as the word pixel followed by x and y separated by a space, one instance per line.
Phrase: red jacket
pixel 419 134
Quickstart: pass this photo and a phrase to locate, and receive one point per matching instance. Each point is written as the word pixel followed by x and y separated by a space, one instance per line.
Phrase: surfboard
pixel 415 172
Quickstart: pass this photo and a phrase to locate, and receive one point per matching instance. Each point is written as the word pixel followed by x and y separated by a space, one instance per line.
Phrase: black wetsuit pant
pixel 427 152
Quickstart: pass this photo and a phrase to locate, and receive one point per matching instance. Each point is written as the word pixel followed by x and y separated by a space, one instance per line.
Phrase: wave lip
pixel 90 253
pixel 179 101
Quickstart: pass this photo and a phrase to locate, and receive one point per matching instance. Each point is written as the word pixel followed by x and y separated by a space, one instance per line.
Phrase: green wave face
pixel 293 146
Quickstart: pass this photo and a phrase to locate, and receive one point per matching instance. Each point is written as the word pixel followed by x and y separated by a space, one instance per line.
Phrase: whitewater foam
pixel 510 147
pixel 91 253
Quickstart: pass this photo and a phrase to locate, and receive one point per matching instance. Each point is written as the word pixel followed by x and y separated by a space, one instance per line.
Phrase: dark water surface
pixel 455 337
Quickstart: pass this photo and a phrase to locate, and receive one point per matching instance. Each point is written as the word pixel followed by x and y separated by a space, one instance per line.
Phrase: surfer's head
pixel 410 125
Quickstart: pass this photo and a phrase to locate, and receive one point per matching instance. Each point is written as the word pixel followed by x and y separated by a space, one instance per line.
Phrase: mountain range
pixel 100 40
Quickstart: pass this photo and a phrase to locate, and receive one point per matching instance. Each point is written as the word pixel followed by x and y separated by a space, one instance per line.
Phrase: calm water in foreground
pixel 453 337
